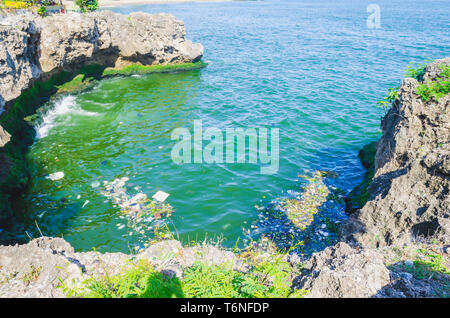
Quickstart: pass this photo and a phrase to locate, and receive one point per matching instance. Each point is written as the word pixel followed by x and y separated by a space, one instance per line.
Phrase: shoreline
pixel 105 4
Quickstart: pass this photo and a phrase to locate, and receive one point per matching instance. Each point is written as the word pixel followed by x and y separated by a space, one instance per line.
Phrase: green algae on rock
pixel 359 195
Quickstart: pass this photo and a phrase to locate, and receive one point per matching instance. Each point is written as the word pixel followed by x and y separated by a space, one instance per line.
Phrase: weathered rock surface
pixel 35 269
pixel 18 56
pixel 114 39
pixel 344 272
pixel 4 137
pixel 404 285
pixel 409 196
pixel 33 47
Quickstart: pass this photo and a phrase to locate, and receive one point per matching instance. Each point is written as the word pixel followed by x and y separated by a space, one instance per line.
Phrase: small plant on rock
pixel 389 99
pixel 31 275
pixel 87 5
pixel 436 88
pixel 417 71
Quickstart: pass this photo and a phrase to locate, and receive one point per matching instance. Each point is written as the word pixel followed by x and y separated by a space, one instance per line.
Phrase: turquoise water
pixel 310 68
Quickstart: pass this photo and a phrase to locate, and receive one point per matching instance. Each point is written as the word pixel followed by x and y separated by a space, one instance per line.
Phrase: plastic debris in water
pixel 95 184
pixel 104 162
pixel 160 196
pixel 85 203
pixel 55 176
pixel 137 208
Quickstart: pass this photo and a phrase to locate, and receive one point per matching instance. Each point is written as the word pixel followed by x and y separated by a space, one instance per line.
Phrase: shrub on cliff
pixel 436 88
pixel 87 5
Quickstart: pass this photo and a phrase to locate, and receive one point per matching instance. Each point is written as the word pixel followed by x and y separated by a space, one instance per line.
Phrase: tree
pixel 87 5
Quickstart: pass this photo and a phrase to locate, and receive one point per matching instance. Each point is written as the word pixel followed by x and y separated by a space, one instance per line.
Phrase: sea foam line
pixel 64 106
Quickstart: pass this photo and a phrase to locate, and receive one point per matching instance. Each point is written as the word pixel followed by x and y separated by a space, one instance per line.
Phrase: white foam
pixel 64 106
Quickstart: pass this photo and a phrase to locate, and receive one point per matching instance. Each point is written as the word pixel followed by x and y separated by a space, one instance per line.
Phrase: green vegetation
pixel 149 69
pixel 358 197
pixel 267 277
pixel 389 99
pixel 31 275
pixel 436 88
pixel 417 71
pixel 427 265
pixel 39 7
pixel 87 5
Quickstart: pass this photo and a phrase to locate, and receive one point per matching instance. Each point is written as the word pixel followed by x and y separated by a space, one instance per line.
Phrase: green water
pixel 312 69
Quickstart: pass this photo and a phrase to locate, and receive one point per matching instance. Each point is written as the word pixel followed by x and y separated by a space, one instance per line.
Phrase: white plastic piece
pixel 56 176
pixel 160 196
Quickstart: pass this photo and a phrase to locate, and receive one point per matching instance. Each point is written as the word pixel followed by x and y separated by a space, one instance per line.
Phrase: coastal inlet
pixel 316 80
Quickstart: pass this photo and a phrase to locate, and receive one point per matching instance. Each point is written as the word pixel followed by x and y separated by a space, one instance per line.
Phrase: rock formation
pixel 409 196
pixel 34 47
pixel 342 271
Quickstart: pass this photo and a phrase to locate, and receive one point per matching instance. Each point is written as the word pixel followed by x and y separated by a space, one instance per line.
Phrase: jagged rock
pixel 4 137
pixel 18 52
pixel 409 194
pixel 404 285
pixel 115 40
pixel 342 271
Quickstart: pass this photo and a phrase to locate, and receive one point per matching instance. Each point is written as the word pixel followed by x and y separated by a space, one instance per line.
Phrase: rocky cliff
pixel 33 47
pixel 409 198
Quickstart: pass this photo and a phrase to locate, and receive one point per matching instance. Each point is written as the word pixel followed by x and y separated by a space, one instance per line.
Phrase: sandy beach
pixel 70 4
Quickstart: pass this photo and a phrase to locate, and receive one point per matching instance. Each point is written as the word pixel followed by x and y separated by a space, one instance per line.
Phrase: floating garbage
pixel 138 208
pixel 95 184
pixel 85 203
pixel 55 176
pixel 307 219
pixel 160 196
